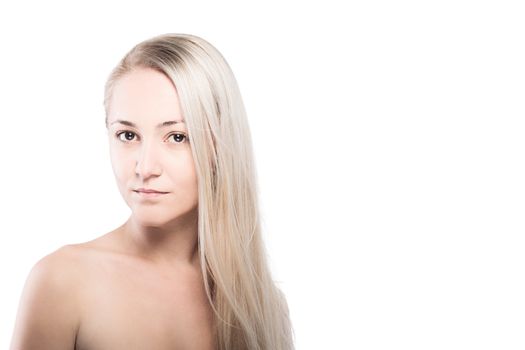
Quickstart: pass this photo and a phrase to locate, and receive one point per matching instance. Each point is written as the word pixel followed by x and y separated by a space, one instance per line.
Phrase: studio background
pixel 389 141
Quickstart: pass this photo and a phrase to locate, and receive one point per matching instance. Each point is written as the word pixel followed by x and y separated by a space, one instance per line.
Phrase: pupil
pixel 130 136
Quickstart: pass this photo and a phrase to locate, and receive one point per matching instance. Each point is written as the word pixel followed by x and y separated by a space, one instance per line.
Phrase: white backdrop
pixel 389 138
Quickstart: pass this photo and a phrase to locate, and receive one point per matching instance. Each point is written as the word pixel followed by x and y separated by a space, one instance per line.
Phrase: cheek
pixel 120 163
pixel 184 175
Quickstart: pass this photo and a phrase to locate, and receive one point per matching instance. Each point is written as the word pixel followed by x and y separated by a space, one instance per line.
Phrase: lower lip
pixel 149 195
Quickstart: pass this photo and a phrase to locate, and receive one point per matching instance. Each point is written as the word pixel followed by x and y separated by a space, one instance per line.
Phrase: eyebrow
pixel 161 125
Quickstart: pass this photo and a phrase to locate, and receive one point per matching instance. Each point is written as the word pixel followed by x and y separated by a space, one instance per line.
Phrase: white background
pixel 389 138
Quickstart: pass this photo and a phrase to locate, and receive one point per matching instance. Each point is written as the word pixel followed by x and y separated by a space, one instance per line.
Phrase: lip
pixel 148 190
pixel 148 193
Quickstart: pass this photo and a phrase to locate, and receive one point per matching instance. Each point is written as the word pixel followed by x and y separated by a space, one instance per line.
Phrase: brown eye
pixel 128 135
pixel 179 138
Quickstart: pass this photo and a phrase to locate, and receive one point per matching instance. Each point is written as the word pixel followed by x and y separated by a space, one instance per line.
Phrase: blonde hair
pixel 250 311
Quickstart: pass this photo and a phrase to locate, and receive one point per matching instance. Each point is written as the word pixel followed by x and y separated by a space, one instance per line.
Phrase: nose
pixel 148 164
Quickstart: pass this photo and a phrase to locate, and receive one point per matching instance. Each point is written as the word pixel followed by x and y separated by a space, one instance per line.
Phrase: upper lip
pixel 148 190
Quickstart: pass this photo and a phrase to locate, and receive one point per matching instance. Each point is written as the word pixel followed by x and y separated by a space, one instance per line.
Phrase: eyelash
pixel 117 135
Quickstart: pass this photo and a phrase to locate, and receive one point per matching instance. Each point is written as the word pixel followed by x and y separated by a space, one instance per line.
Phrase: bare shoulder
pixel 60 269
pixel 48 314
pixel 60 261
pixel 56 272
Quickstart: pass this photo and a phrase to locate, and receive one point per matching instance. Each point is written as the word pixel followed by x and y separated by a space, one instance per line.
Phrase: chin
pixel 147 223
pixel 154 218
pixel 150 220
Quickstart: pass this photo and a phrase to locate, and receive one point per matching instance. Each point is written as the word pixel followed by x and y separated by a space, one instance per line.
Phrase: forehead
pixel 159 126
pixel 145 96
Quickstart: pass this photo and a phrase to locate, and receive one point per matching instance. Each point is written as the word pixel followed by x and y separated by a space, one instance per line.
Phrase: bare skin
pixel 139 286
pixel 154 307
pixel 100 297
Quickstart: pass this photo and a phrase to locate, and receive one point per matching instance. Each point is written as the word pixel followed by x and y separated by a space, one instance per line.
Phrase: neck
pixel 173 244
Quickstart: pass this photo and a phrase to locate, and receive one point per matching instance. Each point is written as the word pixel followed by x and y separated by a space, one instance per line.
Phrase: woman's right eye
pixel 128 135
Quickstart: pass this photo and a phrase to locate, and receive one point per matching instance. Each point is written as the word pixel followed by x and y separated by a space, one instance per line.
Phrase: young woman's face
pixel 149 150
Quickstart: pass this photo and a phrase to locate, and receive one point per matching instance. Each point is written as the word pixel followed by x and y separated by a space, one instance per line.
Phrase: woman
pixel 187 270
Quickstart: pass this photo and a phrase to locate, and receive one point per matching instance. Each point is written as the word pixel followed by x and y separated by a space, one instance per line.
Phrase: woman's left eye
pixel 180 138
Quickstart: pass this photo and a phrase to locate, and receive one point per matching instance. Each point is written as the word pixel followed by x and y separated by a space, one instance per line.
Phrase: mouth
pixel 150 194
pixel 147 190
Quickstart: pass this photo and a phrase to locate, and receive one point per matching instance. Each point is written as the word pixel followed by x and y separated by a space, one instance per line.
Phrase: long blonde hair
pixel 250 311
